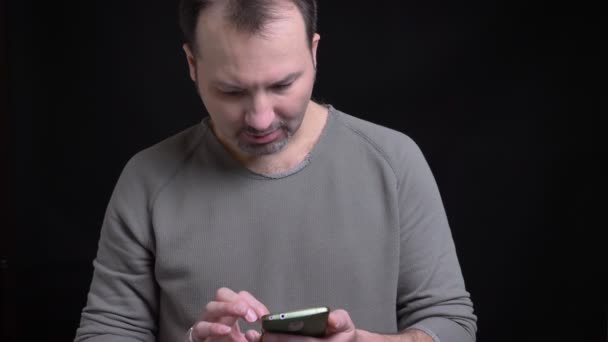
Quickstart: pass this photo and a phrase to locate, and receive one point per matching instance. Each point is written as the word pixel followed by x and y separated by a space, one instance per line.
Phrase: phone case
pixel 306 322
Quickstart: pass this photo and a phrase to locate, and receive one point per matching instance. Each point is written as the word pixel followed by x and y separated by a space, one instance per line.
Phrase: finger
pixel 229 313
pixel 253 336
pixel 248 312
pixel 215 309
pixel 224 294
pixel 203 330
pixel 259 308
pixel 339 321
pixel 254 310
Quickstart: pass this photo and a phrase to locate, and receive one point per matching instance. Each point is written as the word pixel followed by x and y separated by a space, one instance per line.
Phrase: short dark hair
pixel 247 15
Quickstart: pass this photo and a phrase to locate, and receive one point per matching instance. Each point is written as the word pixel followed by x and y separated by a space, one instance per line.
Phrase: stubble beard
pixel 269 148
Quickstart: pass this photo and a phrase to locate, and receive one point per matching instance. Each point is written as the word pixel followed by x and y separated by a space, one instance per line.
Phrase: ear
pixel 315 43
pixel 191 61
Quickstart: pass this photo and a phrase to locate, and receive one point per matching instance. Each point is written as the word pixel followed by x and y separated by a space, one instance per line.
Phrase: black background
pixel 497 94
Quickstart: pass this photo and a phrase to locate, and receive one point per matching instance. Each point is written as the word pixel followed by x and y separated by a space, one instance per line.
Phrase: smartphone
pixel 305 322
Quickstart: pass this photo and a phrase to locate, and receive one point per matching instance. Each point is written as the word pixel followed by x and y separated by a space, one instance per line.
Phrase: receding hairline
pixel 272 11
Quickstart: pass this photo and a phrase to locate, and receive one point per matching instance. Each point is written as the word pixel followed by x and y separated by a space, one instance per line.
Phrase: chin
pixel 265 149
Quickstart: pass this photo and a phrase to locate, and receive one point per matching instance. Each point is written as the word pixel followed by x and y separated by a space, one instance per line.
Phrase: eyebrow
pixel 287 79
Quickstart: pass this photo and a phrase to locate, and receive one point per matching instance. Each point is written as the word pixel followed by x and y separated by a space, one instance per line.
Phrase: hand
pixel 340 328
pixel 219 322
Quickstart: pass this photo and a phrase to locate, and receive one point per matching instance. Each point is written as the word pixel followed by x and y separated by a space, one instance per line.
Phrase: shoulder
pixel 169 152
pixel 152 167
pixel 397 148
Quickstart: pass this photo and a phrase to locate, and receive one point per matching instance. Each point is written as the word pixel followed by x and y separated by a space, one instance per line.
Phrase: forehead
pixel 248 18
pixel 227 53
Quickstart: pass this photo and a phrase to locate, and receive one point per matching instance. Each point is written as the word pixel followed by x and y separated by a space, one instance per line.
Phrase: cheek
pixel 296 103
pixel 228 119
pixel 224 113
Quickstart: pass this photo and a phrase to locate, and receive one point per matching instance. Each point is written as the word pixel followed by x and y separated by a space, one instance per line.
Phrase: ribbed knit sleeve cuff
pixel 444 330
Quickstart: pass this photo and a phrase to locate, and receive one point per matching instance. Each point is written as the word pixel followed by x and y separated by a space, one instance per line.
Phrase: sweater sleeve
pixel 122 303
pixel 431 290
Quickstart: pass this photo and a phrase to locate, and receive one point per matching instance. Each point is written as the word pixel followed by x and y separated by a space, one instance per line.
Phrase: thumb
pixel 339 321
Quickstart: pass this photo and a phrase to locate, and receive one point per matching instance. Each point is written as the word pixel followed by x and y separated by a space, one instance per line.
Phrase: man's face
pixel 256 87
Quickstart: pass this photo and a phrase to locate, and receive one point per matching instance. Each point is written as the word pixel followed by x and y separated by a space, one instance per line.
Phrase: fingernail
pixel 224 329
pixel 251 316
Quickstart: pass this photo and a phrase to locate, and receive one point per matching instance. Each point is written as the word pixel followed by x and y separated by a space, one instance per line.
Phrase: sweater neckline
pixel 234 165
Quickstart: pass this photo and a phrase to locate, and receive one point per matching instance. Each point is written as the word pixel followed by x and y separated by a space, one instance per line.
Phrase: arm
pixel 431 292
pixel 123 299
pixel 432 303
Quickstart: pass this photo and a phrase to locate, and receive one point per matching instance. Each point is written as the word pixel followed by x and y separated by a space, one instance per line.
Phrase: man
pixel 274 202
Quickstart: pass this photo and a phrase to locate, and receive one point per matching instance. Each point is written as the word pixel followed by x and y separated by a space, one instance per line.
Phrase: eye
pixel 232 93
pixel 281 87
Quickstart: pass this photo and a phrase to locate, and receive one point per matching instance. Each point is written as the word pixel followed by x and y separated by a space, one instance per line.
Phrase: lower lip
pixel 264 139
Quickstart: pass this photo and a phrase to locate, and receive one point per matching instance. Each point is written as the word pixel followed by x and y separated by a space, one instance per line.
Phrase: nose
pixel 260 114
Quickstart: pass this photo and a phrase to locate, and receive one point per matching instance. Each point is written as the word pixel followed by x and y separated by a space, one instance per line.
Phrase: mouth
pixel 264 138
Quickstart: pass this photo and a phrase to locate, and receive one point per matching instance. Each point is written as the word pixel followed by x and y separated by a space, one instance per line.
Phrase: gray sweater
pixel 359 225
